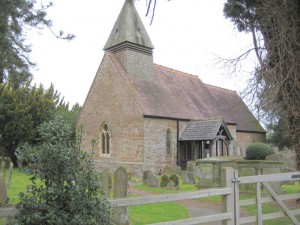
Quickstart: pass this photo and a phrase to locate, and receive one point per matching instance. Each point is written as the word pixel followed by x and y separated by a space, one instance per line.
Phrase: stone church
pixel 145 116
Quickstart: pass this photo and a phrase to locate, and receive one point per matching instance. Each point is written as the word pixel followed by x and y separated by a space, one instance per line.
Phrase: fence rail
pixel 230 200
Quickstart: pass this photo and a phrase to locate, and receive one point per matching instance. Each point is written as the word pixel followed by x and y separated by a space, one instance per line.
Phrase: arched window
pixel 105 139
pixel 168 142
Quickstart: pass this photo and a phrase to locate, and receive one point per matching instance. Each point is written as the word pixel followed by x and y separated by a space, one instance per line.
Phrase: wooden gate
pixel 263 181
pixel 231 203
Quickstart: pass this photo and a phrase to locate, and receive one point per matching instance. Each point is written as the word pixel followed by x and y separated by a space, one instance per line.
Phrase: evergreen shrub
pixel 258 151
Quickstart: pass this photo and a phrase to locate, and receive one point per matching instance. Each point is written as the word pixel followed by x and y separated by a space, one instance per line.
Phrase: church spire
pixel 129 31
pixel 131 43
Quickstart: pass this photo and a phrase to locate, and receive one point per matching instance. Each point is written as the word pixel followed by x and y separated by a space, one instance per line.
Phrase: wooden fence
pixel 230 214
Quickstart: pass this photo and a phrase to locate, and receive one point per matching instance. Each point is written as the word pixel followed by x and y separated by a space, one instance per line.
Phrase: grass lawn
pixel 267 207
pixel 155 213
pixel 273 207
pixel 161 212
pixel 19 183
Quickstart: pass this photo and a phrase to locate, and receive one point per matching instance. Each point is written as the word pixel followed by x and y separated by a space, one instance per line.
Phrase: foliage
pixel 21 111
pixel 275 29
pixel 278 135
pixel 258 151
pixel 65 188
pixel 15 17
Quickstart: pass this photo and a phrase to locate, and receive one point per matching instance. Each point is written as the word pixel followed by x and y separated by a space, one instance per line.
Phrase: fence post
pixel 236 199
pixel 227 175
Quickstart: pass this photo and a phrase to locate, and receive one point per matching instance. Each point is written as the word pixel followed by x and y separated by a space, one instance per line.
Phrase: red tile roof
pixel 175 94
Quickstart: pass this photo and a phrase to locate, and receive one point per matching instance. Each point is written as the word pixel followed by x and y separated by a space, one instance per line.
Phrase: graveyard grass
pixel 144 214
pixel 154 213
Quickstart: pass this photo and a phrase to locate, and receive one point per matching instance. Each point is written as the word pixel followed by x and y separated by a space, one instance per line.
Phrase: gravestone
pixel 164 181
pixel 171 169
pixel 120 190
pixel 11 166
pixel 171 185
pixel 153 181
pixel 191 167
pixel 146 177
pixel 175 179
pixel 106 183
pixel 185 177
pixel 3 193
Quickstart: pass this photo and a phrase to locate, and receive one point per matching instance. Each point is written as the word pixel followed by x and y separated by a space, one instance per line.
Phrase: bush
pixel 258 151
pixel 65 187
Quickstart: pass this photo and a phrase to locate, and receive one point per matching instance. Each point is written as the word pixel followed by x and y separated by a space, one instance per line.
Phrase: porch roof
pixel 203 130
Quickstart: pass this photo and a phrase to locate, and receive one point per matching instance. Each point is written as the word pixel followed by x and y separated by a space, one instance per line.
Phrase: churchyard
pixel 122 184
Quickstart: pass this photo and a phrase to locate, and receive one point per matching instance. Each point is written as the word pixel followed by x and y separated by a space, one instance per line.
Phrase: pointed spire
pixel 129 31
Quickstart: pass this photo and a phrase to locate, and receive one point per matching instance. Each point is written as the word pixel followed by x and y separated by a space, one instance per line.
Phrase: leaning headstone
pixel 106 183
pixel 3 193
pixel 120 190
pixel 153 181
pixel 175 179
pixel 164 181
pixel 146 177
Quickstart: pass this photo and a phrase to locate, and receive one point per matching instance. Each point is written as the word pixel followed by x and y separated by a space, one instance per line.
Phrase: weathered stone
pixel 171 185
pixel 11 166
pixel 171 169
pixel 106 182
pixel 120 190
pixel 185 177
pixel 146 177
pixel 175 178
pixel 120 187
pixel 153 181
pixel 3 193
pixel 164 181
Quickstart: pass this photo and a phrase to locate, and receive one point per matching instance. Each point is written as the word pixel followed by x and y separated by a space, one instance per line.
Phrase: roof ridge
pixel 183 73
pixel 214 86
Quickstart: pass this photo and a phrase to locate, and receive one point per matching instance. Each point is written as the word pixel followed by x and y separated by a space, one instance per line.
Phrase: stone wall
pixel 246 138
pixel 109 101
pixel 156 157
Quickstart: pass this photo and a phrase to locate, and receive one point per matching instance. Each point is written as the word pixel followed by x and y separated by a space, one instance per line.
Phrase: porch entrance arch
pixel 202 139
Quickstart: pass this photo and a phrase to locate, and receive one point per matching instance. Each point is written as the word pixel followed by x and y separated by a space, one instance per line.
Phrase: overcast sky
pixel 188 35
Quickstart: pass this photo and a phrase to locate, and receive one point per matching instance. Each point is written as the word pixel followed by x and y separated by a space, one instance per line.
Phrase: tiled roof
pixel 174 94
pixel 128 28
pixel 202 130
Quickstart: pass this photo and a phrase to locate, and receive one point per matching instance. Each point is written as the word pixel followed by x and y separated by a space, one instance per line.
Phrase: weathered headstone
pixel 11 166
pixel 175 179
pixel 171 169
pixel 146 177
pixel 164 181
pixel 185 177
pixel 153 181
pixel 171 185
pixel 191 167
pixel 106 183
pixel 3 193
pixel 120 190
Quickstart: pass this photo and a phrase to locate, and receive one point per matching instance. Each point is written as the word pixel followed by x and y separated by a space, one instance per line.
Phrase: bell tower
pixel 131 43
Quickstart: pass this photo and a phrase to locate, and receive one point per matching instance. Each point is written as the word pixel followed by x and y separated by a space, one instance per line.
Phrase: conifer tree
pixel 15 17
